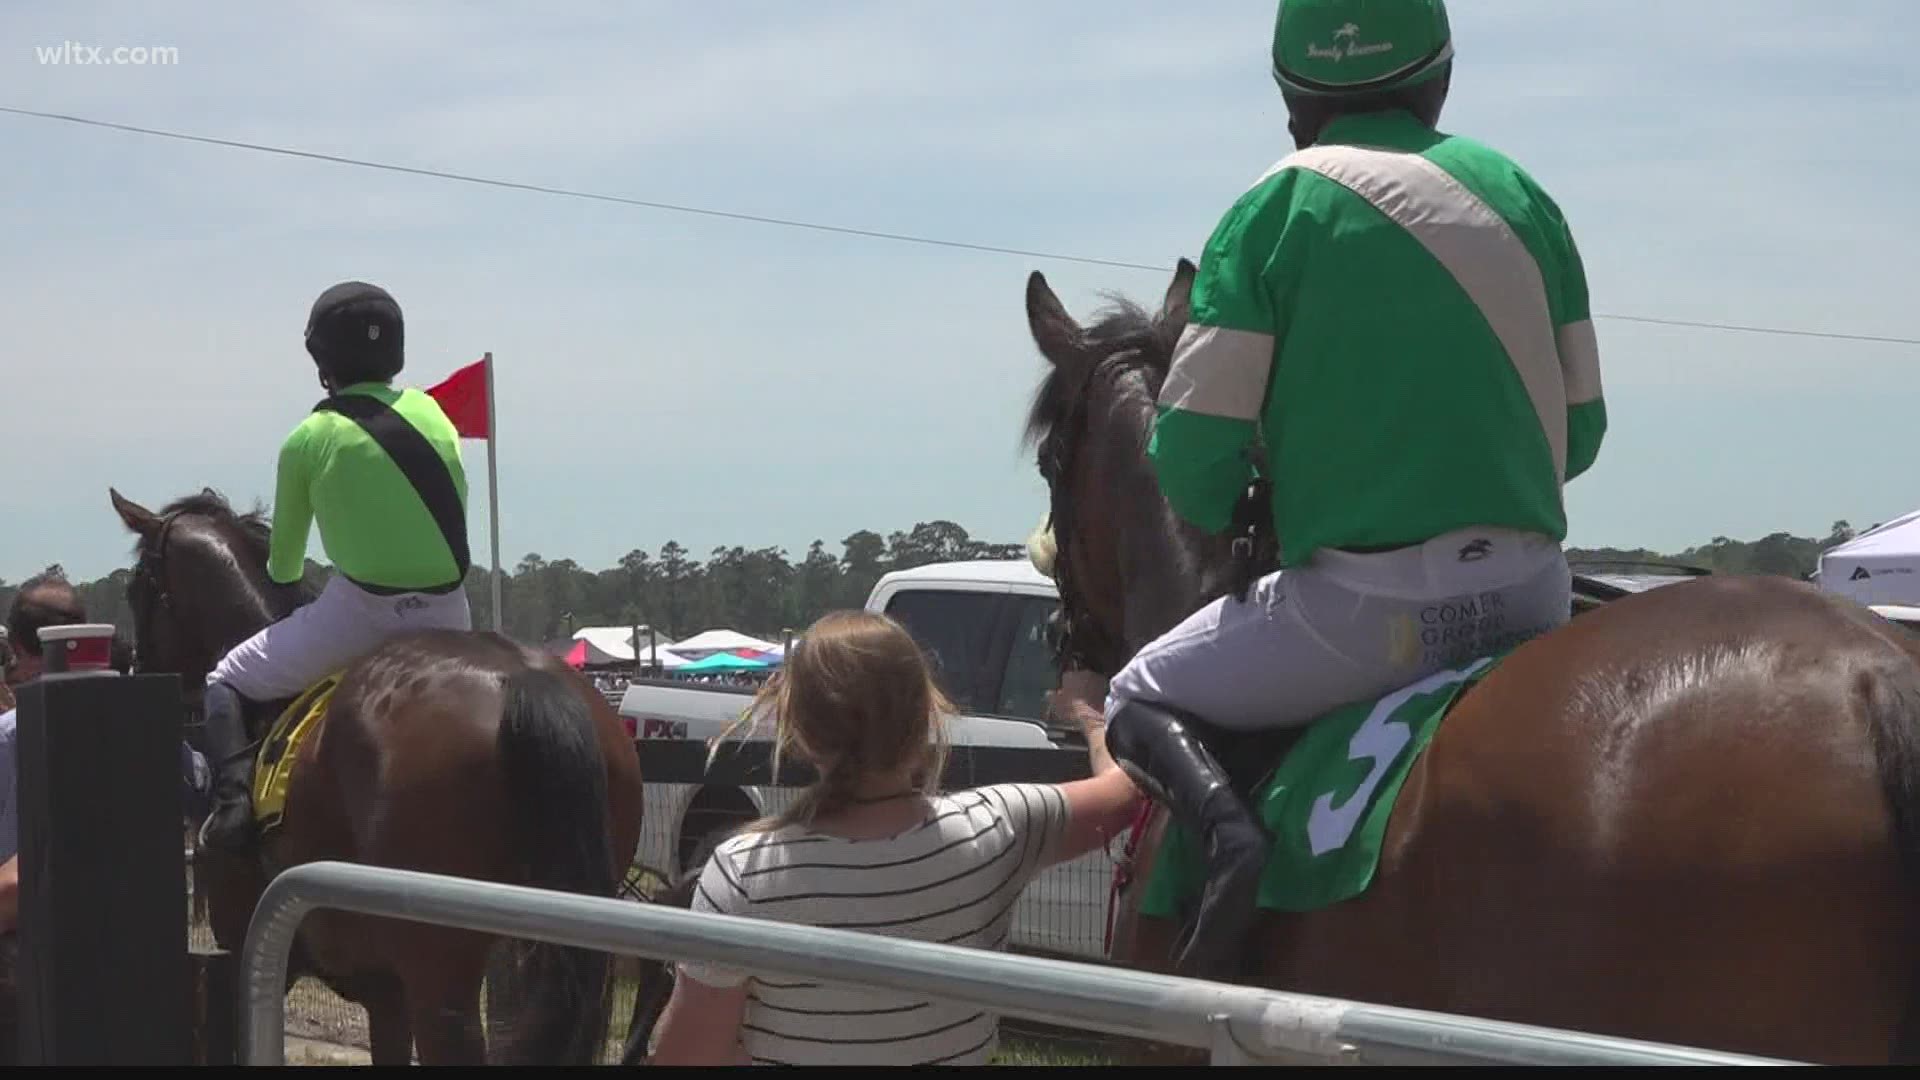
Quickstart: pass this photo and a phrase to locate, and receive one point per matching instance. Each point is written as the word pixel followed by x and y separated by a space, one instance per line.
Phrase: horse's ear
pixel 138 518
pixel 1054 331
pixel 1174 308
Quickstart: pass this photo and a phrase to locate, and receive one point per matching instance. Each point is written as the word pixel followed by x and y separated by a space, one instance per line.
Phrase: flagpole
pixel 493 500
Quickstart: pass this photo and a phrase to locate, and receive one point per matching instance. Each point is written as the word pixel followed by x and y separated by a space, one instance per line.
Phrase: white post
pixel 493 499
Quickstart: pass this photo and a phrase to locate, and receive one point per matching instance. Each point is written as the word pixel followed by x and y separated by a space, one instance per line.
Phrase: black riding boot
pixel 229 824
pixel 1163 755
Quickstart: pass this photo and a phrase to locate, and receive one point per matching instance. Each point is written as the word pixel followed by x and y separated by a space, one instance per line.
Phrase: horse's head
pixel 200 584
pixel 1127 567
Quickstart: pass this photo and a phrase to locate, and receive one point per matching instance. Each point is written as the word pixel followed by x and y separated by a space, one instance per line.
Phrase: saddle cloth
pixel 273 769
pixel 1327 802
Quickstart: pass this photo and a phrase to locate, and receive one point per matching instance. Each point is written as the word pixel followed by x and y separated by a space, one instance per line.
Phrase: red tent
pixel 577 656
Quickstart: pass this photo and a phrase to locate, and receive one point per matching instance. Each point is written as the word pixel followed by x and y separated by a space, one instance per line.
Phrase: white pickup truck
pixel 984 626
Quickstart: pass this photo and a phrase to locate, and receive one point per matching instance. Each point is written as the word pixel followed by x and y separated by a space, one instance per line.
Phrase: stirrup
pixel 234 839
pixel 229 824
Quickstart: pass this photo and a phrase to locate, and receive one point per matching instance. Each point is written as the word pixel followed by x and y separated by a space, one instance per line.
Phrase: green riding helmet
pixel 1339 48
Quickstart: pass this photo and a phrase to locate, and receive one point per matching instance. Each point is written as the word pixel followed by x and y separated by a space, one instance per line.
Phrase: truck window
pixel 1030 674
pixel 955 630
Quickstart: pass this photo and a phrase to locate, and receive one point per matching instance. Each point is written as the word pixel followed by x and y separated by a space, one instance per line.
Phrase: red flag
pixel 463 397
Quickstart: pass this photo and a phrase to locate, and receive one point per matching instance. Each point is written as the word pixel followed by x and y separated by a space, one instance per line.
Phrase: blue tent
pixel 721 662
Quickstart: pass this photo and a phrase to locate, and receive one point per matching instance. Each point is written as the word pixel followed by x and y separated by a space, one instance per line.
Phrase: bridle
pixel 1079 641
pixel 153 583
pixel 148 573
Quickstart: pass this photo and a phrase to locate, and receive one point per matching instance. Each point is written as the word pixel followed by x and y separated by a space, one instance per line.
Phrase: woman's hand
pixel 1081 702
pixel 1081 685
pixel 1101 806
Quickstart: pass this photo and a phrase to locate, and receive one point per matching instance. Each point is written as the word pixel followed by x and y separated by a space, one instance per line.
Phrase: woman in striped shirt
pixel 871 846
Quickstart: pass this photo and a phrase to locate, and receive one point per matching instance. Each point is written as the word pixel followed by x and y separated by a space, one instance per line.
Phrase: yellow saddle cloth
pixel 273 770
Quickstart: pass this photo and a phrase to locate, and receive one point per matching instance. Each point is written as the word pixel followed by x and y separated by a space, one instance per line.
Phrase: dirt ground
pixel 313 1052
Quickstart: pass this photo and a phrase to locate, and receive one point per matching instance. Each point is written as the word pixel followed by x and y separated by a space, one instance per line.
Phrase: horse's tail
pixel 1893 707
pixel 557 788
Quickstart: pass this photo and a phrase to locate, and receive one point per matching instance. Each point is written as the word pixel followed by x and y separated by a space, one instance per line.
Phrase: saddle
pixel 1250 757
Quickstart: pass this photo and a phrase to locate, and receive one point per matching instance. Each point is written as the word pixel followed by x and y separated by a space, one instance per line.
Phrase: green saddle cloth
pixel 1327 804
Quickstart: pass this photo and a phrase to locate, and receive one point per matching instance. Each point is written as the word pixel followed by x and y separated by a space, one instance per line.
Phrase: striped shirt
pixel 953 879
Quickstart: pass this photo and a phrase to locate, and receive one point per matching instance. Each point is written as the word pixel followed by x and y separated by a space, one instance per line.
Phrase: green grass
pixel 1021 1049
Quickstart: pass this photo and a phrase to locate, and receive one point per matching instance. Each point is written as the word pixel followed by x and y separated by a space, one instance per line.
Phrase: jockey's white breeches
pixel 1351 627
pixel 324 636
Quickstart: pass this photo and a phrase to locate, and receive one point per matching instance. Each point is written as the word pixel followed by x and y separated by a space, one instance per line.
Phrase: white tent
pixel 1880 566
pixel 607 644
pixel 614 645
pixel 713 641
pixel 662 655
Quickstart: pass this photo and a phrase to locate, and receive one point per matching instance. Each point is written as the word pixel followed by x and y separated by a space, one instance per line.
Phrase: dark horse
pixel 1692 815
pixel 448 753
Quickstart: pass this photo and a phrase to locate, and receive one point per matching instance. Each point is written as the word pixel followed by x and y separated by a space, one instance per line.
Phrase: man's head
pixel 44 600
pixel 1335 58
pixel 355 334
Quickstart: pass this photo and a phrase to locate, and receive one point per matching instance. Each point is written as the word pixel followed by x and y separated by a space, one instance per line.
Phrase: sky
pixel 666 376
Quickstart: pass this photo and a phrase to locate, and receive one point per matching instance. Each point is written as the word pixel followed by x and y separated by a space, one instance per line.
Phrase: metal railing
pixel 1238 1025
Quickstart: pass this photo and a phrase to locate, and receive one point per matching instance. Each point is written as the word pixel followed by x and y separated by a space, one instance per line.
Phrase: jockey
pixel 379 469
pixel 1392 327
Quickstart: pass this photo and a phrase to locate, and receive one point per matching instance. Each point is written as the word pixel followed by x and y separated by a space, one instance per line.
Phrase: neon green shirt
pixel 373 525
pixel 1400 317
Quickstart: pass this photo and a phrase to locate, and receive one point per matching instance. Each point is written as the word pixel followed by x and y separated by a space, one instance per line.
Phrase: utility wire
pixel 842 230
pixel 1735 327
pixel 569 193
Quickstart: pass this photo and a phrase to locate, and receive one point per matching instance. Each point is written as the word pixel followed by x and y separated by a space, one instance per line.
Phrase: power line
pixel 1835 335
pixel 842 230
pixel 569 193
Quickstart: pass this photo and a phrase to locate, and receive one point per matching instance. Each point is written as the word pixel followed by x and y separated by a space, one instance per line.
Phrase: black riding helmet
pixel 355 334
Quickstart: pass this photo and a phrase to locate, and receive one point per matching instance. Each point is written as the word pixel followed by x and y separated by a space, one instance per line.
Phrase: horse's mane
pixel 1122 326
pixel 252 526
pixel 253 529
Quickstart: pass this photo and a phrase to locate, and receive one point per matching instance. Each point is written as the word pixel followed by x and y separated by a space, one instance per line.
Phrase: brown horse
pixel 1692 815
pixel 449 753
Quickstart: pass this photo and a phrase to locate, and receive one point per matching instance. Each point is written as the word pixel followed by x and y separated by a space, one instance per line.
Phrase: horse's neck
pixel 1177 572
pixel 246 608
pixel 1170 569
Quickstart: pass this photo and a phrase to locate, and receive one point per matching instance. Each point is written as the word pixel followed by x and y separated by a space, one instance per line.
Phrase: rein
pixel 1123 869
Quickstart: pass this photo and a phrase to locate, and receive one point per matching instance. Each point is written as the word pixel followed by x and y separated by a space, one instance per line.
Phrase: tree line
pixel 760 591
pixel 1781 554
pixel 765 592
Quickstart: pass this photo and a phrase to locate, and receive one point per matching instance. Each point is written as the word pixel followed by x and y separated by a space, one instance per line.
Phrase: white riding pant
pixel 1349 627
pixel 319 639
